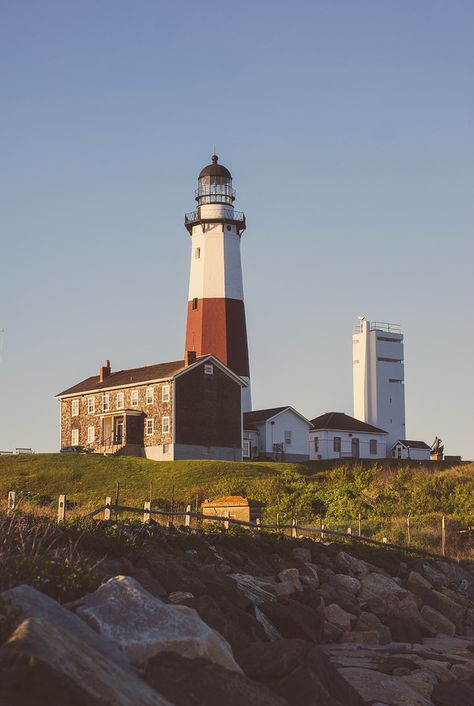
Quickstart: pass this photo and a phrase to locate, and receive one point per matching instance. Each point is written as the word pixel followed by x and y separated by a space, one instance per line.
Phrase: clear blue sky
pixel 348 127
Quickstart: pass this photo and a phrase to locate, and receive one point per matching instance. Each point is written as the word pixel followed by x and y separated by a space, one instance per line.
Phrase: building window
pixel 90 435
pixel 373 446
pixel 389 360
pixel 75 408
pixel 149 395
pixel 288 437
pixel 165 393
pixel 134 398
pixel 195 303
pixel 150 427
pixel 337 444
pixel 91 405
pixel 106 402
pixel 165 425
pixel 75 437
pixel 208 369
pixel 197 253
pixel 120 401
pixel 316 444
pixel 246 448
pixel 166 448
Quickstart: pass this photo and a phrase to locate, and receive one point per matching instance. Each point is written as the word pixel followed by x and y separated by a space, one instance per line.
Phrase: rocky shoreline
pixel 221 619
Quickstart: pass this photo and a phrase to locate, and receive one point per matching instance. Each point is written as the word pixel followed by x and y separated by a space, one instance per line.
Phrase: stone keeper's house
pixel 184 409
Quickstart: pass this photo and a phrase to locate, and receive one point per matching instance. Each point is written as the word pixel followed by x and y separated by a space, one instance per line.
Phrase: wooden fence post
pixel 408 531
pixel 117 493
pixel 323 527
pixel 11 500
pixel 62 508
pixel 147 513
pixel 226 522
pixel 258 522
pixel 107 511
pixel 360 526
pixel 187 519
pixel 293 528
pixel 349 530
pixel 443 535
pixel 384 540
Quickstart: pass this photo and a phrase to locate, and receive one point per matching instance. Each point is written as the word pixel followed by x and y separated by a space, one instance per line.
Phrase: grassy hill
pixel 88 479
pixel 383 495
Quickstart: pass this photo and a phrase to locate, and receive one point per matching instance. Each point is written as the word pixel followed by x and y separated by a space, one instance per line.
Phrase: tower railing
pixel 227 214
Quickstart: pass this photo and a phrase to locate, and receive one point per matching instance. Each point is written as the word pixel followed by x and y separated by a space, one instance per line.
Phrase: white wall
pixel 287 421
pixel 217 273
pixel 413 454
pixel 377 400
pixel 326 444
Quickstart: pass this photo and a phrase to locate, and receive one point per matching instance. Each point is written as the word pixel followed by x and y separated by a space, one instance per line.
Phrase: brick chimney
pixel 189 358
pixel 104 371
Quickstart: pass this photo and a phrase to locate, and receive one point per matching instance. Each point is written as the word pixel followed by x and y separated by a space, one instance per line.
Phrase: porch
pixel 121 432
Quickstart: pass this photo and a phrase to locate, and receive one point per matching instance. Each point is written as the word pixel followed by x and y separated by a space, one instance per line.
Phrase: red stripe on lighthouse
pixel 217 326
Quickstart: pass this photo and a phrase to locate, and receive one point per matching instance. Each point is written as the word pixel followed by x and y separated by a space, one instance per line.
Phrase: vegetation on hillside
pixel 383 497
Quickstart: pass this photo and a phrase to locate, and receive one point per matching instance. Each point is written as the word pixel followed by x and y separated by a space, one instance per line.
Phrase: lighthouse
pixel 216 312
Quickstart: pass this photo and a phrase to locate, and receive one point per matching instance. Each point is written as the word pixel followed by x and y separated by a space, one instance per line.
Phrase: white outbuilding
pixel 337 435
pixel 414 450
pixel 279 433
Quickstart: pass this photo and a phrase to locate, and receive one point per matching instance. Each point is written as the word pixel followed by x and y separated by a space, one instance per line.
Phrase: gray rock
pixel 454 572
pixel 352 584
pixel 292 576
pixel 368 622
pixel 331 633
pixel 422 680
pixel 374 686
pixel 309 575
pixel 198 681
pixel 439 622
pixel 143 625
pixel 258 590
pixel 382 586
pixel 362 637
pixel 439 668
pixel 350 565
pixel 302 554
pixel 180 596
pixel 54 646
pixel 463 671
pixel 416 579
pixel 338 617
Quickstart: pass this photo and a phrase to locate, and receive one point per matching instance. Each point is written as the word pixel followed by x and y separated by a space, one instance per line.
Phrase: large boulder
pixel 299 672
pixel 374 686
pixel 294 619
pixel 54 658
pixel 198 681
pixel 339 617
pixel 382 586
pixel 348 564
pixel 439 622
pixel 143 625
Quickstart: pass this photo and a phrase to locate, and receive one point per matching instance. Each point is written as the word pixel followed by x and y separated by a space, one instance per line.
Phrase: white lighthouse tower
pixel 378 378
pixel 216 311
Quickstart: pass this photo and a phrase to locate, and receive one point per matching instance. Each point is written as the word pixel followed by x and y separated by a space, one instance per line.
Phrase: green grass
pixel 88 479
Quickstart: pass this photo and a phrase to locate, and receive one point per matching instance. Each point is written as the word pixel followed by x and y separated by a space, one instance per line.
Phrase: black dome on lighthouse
pixel 215 169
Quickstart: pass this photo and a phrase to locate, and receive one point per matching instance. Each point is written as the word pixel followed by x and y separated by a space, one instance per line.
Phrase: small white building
pixel 337 435
pixel 280 434
pixel 414 450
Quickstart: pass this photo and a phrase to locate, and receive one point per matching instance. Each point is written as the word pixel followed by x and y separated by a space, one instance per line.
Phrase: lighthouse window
pixel 197 253
pixel 195 303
